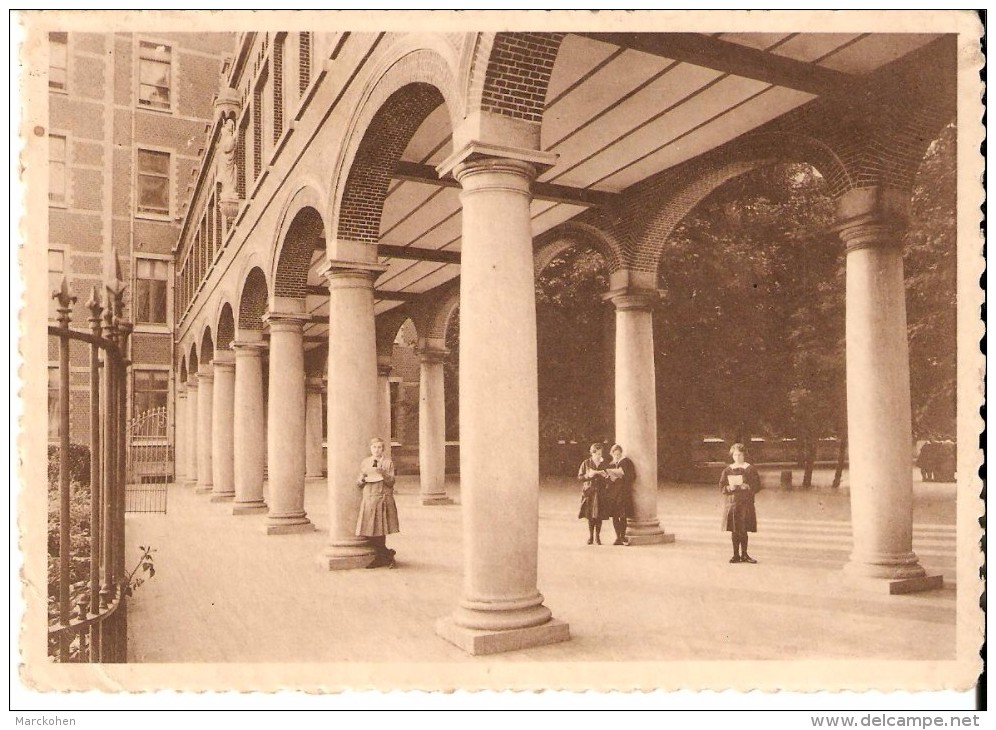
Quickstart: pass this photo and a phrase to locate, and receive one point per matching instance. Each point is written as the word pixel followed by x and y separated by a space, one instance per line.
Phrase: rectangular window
pixel 53 404
pixel 56 169
pixel 58 60
pixel 56 270
pixel 153 182
pixel 151 276
pixel 154 75
pixel 151 391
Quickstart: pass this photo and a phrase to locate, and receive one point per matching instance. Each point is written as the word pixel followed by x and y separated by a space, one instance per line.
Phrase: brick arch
pixel 401 91
pixel 226 327
pixel 253 300
pixel 183 369
pixel 386 138
pixel 571 234
pixel 207 346
pixel 509 73
pixel 387 327
pixel 193 367
pixel 304 233
pixel 432 319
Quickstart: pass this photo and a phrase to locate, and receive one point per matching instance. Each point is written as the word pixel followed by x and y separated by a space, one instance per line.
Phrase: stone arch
pixel 253 298
pixel 207 346
pixel 300 231
pixel 570 234
pixel 508 73
pixel 225 327
pixel 403 90
pixel 182 378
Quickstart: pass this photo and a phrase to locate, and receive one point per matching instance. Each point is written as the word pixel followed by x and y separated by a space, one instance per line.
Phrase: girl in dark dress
pixel 619 492
pixel 592 476
pixel 739 483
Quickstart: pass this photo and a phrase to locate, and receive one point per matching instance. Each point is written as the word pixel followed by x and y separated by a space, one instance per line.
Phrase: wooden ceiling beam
pixel 733 58
pixel 416 172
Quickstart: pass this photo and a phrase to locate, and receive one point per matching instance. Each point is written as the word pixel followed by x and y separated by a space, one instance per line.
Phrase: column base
pixel 250 508
pixel 201 489
pixel 287 525
pixel 346 557
pixel 478 642
pixel 896 586
pixel 223 497
pixel 434 499
pixel 191 483
pixel 648 532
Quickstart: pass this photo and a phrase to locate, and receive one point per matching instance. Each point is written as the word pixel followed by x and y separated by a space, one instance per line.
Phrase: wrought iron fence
pixel 150 461
pixel 87 579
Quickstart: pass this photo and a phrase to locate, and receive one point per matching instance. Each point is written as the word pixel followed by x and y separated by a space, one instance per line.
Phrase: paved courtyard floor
pixel 225 592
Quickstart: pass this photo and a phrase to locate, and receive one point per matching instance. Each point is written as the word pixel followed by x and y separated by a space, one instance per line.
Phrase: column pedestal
pixel 500 608
pixel 205 406
pixel 285 426
pixel 222 431
pixel 249 437
pixel 432 427
pixel 879 414
pixel 353 414
pixel 191 431
pixel 636 408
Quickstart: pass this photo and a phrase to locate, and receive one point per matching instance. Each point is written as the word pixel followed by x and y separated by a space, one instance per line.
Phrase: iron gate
pixel 150 461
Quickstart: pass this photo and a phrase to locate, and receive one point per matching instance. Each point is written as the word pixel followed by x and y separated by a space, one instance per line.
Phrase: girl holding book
pixel 378 516
pixel 739 483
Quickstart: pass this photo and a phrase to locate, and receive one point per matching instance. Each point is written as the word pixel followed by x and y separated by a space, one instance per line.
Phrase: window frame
pixel 69 57
pixel 132 410
pixel 173 67
pixel 154 327
pixel 64 203
pixel 170 176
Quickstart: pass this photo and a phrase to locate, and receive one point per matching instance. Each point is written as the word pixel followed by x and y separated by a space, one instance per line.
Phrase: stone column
pixel 384 368
pixel 285 426
pixel 879 420
pixel 352 406
pixel 205 412
pixel 432 426
pixel 313 428
pixel 501 608
pixel 249 437
pixel 190 448
pixel 223 429
pixel 636 407
pixel 180 435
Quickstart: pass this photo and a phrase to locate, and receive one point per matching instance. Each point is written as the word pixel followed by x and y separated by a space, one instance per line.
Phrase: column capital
pixel 477 155
pixel 344 274
pixel 224 362
pixel 181 390
pixel 430 354
pixel 191 382
pixel 632 298
pixel 206 374
pixel 872 217
pixel 284 321
pixel 314 385
pixel 252 347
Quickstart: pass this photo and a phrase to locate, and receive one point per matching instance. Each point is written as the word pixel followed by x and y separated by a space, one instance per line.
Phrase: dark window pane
pixel 157 302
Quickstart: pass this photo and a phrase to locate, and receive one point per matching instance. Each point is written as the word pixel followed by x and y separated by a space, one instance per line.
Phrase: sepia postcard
pixel 498 350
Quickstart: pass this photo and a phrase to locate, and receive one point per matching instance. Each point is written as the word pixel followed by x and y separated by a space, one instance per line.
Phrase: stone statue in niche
pixel 227 171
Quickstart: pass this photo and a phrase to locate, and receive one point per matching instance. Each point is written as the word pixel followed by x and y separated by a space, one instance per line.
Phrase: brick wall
pixel 517 74
pixel 252 306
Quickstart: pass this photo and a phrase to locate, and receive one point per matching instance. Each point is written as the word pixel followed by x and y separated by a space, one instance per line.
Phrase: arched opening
pixel 194 365
pixel 226 328
pixel 252 302
pixel 576 341
pixel 207 347
pixel 930 264
pixel 749 341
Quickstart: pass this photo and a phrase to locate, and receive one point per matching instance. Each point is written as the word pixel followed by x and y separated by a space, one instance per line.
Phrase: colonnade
pixel 501 606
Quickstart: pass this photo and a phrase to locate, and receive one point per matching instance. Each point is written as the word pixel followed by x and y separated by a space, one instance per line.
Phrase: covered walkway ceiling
pixel 620 108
